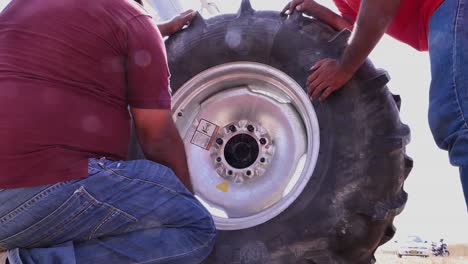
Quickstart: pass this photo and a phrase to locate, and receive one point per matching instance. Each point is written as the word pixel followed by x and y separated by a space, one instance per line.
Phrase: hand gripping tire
pixel 347 208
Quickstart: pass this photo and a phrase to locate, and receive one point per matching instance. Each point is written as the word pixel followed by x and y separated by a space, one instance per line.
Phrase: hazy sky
pixel 436 205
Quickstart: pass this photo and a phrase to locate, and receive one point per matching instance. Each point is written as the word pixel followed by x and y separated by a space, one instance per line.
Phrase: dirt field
pixel 459 255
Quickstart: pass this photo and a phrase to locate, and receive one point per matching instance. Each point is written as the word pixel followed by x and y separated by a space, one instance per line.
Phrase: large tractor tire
pixel 287 180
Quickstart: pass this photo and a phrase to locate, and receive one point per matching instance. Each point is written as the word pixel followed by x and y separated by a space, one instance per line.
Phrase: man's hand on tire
pixel 328 76
pixel 318 11
pixel 306 6
pixel 177 23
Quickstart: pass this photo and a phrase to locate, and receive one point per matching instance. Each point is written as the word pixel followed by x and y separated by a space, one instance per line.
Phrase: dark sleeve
pixel 147 71
pixel 346 11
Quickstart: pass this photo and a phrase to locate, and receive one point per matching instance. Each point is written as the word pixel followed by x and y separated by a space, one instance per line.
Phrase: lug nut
pixel 230 172
pixel 250 128
pixel 219 141
pixel 262 160
pixel 180 114
pixel 218 159
pixel 263 141
pixel 232 128
pixel 249 173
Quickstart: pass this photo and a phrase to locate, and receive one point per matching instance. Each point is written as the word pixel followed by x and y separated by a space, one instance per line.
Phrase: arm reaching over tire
pixel 373 20
pixel 177 23
pixel 312 8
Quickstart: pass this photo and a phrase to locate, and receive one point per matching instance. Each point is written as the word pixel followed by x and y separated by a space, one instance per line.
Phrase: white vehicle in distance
pixel 413 246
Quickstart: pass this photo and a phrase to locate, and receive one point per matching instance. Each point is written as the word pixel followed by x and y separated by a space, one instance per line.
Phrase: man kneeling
pixel 69 69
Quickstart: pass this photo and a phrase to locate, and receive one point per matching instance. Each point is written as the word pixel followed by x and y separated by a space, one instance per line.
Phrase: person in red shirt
pixel 70 70
pixel 439 26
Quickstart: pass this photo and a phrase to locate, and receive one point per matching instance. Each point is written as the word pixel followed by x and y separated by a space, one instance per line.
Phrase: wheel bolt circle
pixel 218 159
pixel 263 141
pixel 219 141
pixel 262 160
pixel 230 172
pixel 249 173
pixel 250 128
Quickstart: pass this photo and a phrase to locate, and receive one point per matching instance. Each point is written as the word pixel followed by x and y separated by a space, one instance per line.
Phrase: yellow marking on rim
pixel 224 187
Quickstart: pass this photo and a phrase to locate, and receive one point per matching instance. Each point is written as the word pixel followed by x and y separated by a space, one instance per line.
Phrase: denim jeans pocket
pixel 81 217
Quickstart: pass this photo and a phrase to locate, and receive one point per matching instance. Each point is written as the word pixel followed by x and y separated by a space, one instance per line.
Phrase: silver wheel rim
pixel 248 174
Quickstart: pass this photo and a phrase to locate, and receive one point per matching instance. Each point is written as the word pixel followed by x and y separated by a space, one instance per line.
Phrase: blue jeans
pixel 124 212
pixel 448 108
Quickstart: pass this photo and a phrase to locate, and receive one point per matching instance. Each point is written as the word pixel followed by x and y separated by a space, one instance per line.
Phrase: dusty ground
pixel 392 259
pixel 459 255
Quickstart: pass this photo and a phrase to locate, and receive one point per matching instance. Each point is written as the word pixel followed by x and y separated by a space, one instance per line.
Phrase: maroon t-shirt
pixel 69 69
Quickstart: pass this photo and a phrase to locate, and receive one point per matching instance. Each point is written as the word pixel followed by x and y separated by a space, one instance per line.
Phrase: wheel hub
pixel 242 151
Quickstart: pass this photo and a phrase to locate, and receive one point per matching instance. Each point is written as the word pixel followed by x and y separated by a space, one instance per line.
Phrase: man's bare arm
pixel 373 20
pixel 160 141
